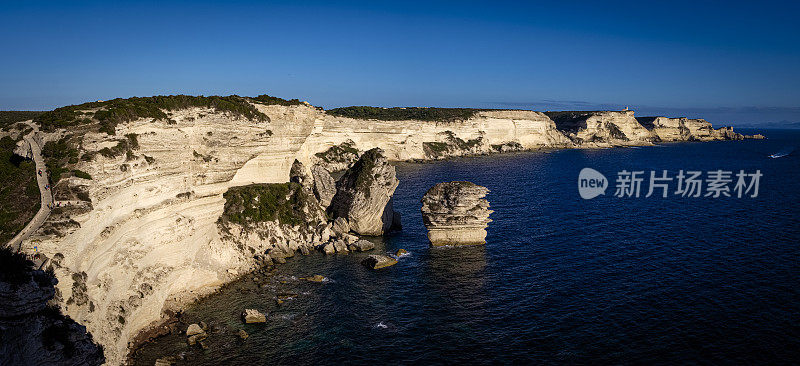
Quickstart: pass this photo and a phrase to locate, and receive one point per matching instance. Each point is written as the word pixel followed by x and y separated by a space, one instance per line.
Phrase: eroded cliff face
pixel 141 238
pixel 602 128
pixel 484 133
pixel 151 242
pixel 686 129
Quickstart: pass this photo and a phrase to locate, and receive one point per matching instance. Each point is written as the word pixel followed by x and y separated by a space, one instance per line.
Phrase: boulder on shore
pixel 328 248
pixel 340 227
pixel 362 246
pixel 364 194
pixel 456 213
pixel 340 246
pixel 253 316
pixel 378 261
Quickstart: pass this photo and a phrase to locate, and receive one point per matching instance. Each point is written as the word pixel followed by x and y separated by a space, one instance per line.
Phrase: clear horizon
pixel 732 65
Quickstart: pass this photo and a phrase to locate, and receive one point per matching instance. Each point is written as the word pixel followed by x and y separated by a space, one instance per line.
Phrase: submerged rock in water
pixel 194 329
pixel 400 252
pixel 378 261
pixel 195 333
pixel 166 361
pixel 456 213
pixel 315 278
pixel 253 316
pixel 364 194
pixel 243 334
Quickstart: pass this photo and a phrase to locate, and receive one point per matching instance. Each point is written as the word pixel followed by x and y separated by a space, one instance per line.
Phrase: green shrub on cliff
pixel 407 113
pixel 58 155
pixel 81 174
pixel 133 140
pixel 435 149
pixel 344 152
pixel 270 100
pixel 287 203
pixel 451 145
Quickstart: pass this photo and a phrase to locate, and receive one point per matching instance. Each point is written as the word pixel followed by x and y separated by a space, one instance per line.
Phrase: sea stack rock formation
pixel 456 213
pixel 364 195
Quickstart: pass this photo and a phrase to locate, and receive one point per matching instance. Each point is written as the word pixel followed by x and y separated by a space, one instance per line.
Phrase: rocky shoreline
pixel 266 279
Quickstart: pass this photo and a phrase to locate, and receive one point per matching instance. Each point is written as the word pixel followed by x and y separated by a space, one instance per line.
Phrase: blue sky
pixel 730 62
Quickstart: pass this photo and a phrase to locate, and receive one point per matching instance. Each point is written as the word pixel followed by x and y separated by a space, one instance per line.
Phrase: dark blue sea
pixel 561 280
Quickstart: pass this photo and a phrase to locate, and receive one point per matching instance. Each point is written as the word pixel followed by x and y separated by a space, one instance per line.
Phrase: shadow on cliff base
pixel 33 332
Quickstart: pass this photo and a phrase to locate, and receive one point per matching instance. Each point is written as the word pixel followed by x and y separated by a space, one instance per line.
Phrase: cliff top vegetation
pixel 8 118
pixel 107 114
pixel 405 113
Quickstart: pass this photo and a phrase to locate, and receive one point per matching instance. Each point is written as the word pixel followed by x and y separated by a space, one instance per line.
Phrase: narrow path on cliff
pixel 44 192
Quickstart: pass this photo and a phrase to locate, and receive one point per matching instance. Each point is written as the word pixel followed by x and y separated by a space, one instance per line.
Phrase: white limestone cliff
pixel 603 128
pixel 687 129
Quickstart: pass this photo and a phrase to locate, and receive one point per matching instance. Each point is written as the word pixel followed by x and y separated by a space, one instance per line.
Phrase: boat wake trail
pixel 782 153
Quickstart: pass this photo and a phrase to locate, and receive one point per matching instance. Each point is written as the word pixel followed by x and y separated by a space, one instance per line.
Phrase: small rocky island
pixel 456 213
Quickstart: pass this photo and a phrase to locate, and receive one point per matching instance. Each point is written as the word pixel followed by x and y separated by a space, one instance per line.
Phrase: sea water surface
pixel 561 279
